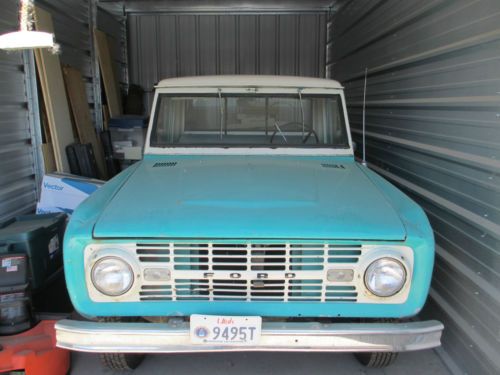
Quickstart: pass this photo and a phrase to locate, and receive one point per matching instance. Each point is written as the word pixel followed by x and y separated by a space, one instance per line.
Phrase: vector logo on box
pixel 46 185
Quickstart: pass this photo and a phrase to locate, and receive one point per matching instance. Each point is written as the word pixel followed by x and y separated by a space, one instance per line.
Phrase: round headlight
pixel 112 276
pixel 385 277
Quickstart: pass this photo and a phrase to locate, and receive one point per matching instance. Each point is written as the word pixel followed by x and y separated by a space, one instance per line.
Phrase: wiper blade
pixel 302 112
pixel 279 131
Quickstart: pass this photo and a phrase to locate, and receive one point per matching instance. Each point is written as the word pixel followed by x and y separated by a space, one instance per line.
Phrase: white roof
pixel 250 81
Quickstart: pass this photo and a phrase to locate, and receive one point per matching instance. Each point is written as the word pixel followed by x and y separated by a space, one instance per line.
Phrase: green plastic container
pixel 40 237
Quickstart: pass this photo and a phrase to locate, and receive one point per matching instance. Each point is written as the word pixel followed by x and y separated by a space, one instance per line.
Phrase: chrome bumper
pixel 301 337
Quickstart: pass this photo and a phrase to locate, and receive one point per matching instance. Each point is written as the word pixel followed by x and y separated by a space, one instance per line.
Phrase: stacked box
pixel 64 192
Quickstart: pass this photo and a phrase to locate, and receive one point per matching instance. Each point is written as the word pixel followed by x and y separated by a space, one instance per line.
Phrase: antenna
pixel 364 119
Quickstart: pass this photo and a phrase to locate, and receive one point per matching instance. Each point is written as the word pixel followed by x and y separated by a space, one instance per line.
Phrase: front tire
pixel 376 359
pixel 120 361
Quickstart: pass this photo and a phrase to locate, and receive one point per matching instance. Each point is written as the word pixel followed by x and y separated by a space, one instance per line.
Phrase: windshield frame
pixel 278 149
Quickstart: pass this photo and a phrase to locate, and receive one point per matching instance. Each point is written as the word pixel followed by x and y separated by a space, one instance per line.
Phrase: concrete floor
pixel 423 362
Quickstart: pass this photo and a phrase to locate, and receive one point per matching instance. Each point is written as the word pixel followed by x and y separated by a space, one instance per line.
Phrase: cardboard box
pixel 64 192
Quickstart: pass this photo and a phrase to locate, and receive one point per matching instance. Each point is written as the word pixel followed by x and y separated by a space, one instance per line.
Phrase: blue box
pixel 62 192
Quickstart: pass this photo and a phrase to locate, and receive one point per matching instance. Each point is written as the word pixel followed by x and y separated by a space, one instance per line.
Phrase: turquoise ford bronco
pixel 248 226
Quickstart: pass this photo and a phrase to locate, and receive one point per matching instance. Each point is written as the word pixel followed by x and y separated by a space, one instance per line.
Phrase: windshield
pixel 232 120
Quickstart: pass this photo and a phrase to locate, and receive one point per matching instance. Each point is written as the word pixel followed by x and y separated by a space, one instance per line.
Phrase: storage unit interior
pixel 432 110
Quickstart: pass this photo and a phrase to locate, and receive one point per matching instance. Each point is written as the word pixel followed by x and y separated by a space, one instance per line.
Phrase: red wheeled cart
pixel 34 351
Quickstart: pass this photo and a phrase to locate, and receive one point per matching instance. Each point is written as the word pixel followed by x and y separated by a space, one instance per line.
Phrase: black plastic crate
pixel 40 237
pixel 81 160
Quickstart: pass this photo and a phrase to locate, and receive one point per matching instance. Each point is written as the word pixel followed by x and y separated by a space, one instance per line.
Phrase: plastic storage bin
pixel 128 134
pixel 13 267
pixel 40 237
pixel 15 313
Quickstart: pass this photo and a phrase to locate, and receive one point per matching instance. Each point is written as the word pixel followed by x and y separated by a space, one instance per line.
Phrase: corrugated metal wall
pixel 71 27
pixel 433 128
pixel 114 26
pixel 17 182
pixel 170 45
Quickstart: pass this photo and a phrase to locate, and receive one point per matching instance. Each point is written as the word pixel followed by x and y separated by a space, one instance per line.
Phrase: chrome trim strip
pixel 173 337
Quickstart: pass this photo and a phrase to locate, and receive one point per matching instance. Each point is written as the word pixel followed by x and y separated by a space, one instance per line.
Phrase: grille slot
pixel 266 290
pixel 340 293
pixel 344 254
pixel 156 293
pixel 190 256
pixel 305 290
pixel 158 253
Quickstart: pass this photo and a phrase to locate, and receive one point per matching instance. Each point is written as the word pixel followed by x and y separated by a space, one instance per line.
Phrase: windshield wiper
pixel 221 112
pixel 279 131
pixel 302 113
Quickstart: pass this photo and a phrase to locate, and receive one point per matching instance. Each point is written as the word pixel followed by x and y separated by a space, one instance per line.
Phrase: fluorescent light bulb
pixel 26 39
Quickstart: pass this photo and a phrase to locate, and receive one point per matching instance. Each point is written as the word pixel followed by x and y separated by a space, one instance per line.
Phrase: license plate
pixel 225 330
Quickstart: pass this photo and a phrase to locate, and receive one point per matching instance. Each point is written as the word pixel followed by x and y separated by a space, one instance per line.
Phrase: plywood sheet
pixel 108 74
pixel 81 113
pixel 54 94
pixel 48 158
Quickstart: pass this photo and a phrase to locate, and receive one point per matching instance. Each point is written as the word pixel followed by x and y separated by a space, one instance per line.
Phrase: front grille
pixel 235 267
pixel 283 272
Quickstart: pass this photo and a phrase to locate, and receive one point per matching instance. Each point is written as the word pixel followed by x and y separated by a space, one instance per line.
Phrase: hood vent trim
pixel 334 166
pixel 165 164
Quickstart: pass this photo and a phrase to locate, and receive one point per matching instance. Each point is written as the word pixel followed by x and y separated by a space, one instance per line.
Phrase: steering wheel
pixel 306 138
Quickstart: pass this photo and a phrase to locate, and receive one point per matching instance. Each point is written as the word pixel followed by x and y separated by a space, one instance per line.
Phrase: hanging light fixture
pixel 26 37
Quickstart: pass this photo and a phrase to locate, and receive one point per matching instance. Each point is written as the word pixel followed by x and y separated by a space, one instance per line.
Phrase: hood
pixel 272 197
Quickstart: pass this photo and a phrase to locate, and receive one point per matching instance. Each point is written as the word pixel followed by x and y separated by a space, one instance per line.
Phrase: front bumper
pixel 173 337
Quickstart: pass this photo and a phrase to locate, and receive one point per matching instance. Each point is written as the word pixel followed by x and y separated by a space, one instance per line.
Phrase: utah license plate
pixel 225 330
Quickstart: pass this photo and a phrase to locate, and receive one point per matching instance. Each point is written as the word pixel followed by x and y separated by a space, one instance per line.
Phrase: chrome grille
pixel 190 261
